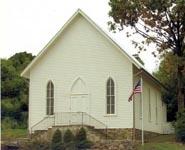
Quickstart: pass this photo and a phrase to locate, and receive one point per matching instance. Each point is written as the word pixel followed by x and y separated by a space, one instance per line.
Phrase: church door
pixel 79 97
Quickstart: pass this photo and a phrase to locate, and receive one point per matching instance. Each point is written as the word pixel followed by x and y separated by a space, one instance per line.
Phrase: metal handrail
pixel 38 123
pixel 65 118
pixel 105 126
pixel 96 119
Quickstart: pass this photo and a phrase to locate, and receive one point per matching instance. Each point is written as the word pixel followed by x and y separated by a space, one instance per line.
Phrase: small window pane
pixel 52 87
pixel 47 102
pixel 47 111
pixel 108 90
pixel 108 99
pixel 112 99
pixel 52 102
pixel 108 82
pixel 112 109
pixel 51 113
pixel 52 93
pixel 112 90
pixel 48 93
pixel 108 109
pixel 112 82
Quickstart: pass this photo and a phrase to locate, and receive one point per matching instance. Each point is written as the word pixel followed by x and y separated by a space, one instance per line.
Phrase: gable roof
pixel 26 71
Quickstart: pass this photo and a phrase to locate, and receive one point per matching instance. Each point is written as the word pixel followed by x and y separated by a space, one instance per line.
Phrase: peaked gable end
pixel 26 71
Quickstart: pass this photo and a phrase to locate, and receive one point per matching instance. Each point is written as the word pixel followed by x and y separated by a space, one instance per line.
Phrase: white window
pixel 156 113
pixel 149 105
pixel 110 96
pixel 50 98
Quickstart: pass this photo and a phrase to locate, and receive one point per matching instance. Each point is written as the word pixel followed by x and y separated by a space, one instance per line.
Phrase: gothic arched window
pixel 50 98
pixel 110 96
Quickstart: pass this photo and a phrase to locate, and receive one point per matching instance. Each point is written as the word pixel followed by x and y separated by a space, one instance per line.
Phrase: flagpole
pixel 142 122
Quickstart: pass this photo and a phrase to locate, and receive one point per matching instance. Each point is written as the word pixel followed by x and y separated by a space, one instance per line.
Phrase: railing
pixel 44 124
pixel 68 118
pixel 78 118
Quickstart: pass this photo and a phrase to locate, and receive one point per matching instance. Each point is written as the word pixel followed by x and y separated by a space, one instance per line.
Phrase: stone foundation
pixel 119 134
pixel 92 133
pixel 147 135
pixel 96 135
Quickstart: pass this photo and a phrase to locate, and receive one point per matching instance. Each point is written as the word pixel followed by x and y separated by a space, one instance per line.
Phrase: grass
pixel 162 142
pixel 8 134
pixel 162 146
pixel 163 138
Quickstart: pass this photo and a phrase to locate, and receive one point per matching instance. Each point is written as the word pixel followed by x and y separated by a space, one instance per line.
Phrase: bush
pixel 81 135
pixel 180 126
pixel 56 143
pixel 68 136
pixel 8 123
pixel 81 139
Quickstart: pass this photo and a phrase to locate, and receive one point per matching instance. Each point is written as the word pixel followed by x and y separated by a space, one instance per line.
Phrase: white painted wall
pixel 81 51
pixel 156 124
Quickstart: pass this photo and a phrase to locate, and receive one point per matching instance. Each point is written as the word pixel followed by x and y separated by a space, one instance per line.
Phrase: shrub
pixel 81 139
pixel 68 136
pixel 81 135
pixel 56 143
pixel 180 126
pixel 8 123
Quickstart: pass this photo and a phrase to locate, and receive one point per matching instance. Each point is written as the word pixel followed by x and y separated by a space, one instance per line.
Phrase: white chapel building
pixel 83 76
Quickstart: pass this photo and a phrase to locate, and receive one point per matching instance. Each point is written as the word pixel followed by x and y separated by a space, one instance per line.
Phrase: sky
pixel 28 25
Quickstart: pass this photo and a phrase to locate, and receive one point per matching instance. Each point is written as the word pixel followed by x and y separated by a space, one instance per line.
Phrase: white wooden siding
pixel 81 51
pixel 150 125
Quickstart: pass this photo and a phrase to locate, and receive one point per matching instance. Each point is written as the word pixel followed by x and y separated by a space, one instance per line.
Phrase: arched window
pixel 110 96
pixel 50 98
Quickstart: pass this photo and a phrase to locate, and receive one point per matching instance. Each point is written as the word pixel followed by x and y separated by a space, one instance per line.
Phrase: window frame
pixel 110 95
pixel 50 98
pixel 156 107
pixel 149 106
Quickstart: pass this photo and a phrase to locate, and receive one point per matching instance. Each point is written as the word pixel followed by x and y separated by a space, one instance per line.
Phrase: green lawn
pixel 8 134
pixel 162 146
pixel 162 142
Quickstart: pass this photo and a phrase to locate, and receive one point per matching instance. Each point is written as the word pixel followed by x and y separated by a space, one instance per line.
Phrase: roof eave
pixel 25 74
pixel 154 79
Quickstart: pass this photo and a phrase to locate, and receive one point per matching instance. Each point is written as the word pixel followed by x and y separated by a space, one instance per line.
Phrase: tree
pixel 167 75
pixel 14 90
pixel 81 139
pixel 180 126
pixel 159 21
pixel 56 143
pixel 68 136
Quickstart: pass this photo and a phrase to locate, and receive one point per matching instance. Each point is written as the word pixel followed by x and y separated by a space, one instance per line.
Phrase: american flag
pixel 137 89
